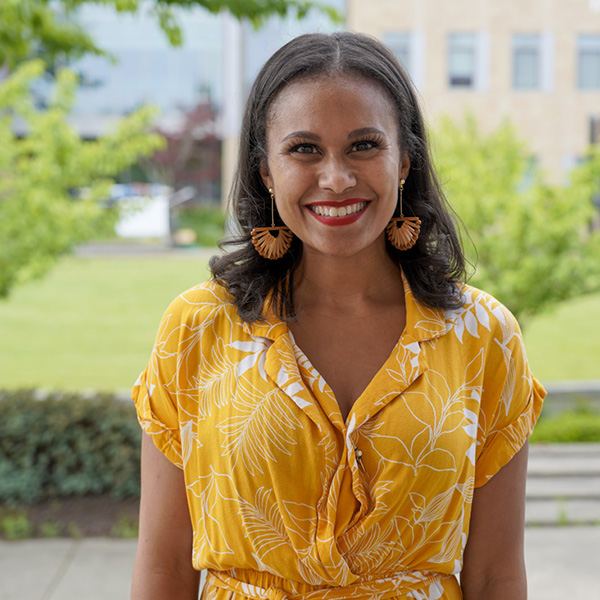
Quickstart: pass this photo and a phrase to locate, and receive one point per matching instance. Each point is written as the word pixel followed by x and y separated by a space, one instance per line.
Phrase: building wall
pixel 553 119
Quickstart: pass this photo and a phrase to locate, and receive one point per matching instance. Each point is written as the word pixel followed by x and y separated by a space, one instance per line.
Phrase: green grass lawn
pixel 91 324
pixel 565 344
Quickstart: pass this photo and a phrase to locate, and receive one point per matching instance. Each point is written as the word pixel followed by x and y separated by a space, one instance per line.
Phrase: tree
pixel 53 185
pixel 532 241
pixel 44 28
pixel 192 152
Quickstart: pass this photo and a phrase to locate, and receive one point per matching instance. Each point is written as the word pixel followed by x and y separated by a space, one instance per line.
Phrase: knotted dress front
pixel 288 500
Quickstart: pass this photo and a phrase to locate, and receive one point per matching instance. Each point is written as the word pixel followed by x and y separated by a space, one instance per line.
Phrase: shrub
pixel 568 427
pixel 67 445
pixel 208 222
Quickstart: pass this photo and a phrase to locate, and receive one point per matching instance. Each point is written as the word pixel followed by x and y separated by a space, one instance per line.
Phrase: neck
pixel 353 283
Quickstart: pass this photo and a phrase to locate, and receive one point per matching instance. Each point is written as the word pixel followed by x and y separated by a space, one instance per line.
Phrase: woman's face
pixel 334 162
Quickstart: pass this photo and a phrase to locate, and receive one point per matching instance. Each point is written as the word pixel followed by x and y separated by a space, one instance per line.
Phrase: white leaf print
pixel 261 424
pixel 291 387
pixel 373 549
pixel 471 426
pixel 307 571
pixel 471 323
pixel 452 542
pixel 482 316
pixel 435 510
pixel 215 381
pixel 260 566
pixel 434 592
pixel 257 350
pixel 471 453
pixel 209 491
pixel 459 328
pixel 508 390
pixel 263 523
pixel 187 441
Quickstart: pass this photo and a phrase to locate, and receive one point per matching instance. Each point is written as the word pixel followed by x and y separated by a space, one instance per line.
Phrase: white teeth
pixel 342 211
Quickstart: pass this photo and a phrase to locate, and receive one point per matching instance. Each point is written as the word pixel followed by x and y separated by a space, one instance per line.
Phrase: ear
pixel 404 167
pixel 265 174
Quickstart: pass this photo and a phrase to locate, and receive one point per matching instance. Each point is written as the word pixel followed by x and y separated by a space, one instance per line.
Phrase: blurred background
pixel 119 122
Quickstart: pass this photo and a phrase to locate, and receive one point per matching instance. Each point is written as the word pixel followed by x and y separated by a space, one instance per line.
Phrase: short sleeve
pixel 155 391
pixel 511 401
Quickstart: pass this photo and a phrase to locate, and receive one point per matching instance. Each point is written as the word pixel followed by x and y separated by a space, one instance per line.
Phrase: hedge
pixel 568 427
pixel 66 445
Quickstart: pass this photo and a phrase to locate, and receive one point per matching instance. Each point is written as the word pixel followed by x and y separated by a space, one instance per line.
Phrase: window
pixel 588 52
pixel 527 61
pixel 533 61
pixel 462 59
pixel 400 45
pixel 408 47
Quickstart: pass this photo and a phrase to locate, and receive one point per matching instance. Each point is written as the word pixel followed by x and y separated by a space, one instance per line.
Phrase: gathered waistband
pixel 264 586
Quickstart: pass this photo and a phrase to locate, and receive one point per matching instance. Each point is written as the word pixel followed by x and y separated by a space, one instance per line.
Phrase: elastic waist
pixel 265 586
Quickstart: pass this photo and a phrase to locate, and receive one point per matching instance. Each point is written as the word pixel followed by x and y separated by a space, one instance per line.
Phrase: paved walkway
pixel 562 563
pixel 563 485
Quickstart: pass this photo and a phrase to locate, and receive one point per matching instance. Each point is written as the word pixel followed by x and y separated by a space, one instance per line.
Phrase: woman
pixel 335 414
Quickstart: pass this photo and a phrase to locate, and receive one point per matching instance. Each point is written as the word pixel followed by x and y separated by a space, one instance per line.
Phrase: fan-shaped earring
pixel 402 231
pixel 272 242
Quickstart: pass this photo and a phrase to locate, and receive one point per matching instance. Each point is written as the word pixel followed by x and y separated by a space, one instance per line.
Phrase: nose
pixel 336 175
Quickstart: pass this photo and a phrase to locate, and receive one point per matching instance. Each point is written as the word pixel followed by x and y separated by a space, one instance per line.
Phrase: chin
pixel 342 251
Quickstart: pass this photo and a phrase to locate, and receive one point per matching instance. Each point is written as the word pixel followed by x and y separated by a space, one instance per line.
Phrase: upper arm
pixel 164 555
pixel 494 555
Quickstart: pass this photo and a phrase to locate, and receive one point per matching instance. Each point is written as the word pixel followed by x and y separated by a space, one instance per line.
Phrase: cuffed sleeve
pixel 511 402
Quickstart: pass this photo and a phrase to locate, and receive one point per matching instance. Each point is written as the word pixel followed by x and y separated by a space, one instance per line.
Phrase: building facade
pixel 535 62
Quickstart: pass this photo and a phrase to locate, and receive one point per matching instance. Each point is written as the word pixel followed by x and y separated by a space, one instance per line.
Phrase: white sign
pixel 143 217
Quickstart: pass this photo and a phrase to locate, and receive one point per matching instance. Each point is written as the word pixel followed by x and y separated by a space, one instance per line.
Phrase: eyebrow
pixel 308 135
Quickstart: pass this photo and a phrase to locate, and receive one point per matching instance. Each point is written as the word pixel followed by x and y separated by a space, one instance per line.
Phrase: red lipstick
pixel 322 211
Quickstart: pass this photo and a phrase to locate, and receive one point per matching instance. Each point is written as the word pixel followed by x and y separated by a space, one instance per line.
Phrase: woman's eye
pixel 304 149
pixel 362 146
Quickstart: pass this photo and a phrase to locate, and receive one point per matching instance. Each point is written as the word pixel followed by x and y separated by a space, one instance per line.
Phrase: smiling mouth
pixel 337 211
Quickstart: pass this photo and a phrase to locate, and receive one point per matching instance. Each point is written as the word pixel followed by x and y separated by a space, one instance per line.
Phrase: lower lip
pixel 338 221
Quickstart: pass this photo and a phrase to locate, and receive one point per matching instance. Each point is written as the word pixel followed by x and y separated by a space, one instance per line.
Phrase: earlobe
pixel 266 175
pixel 404 167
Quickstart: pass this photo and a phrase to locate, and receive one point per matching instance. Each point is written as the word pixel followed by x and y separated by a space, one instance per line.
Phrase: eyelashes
pixel 359 145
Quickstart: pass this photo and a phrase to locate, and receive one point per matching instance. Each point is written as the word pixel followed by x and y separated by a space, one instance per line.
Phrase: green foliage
pixel 46 27
pixel 41 213
pixel 125 527
pixel 67 445
pixel 15 525
pixel 50 529
pixel 207 222
pixel 32 28
pixel 533 247
pixel 568 427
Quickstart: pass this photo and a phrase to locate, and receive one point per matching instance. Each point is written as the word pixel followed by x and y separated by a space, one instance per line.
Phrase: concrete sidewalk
pixel 563 485
pixel 563 562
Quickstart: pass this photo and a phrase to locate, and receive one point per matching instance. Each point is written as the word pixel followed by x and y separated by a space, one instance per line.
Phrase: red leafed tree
pixel 192 153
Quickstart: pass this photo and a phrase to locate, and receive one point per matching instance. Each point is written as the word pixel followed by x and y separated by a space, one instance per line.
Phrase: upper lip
pixel 333 203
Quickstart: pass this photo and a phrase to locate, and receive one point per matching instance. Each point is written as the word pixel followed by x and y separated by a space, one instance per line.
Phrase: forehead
pixel 345 102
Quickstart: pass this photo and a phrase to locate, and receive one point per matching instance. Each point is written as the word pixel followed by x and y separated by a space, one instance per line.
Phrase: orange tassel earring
pixel 272 242
pixel 402 231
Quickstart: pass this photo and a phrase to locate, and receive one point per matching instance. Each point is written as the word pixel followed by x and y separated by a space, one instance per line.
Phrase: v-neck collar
pixel 401 368
pixel 422 322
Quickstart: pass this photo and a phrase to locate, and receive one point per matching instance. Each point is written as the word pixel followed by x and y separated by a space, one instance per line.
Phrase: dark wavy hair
pixel 434 267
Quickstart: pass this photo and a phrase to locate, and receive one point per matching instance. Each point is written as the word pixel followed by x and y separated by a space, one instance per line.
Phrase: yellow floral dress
pixel 287 499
